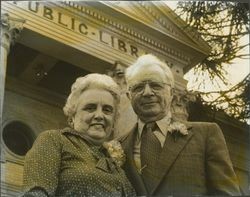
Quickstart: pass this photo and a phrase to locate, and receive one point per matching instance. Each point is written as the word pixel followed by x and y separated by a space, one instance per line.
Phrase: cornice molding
pixel 114 23
pixel 126 31
pixel 158 16
pixel 192 34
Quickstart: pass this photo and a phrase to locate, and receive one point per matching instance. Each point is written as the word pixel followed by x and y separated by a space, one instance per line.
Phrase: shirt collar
pixel 162 125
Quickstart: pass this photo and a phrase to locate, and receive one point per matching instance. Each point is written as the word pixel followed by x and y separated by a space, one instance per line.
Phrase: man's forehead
pixel 143 77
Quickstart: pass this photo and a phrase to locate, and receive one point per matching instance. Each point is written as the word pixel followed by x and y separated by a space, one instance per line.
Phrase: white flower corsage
pixel 115 151
pixel 177 128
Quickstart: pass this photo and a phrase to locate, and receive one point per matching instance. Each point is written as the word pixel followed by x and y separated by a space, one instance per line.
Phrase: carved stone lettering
pixel 47 13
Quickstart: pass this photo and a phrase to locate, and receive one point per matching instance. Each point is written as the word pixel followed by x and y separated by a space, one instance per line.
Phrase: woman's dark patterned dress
pixel 62 163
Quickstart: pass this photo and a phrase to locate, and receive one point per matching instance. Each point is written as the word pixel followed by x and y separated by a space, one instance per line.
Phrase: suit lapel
pixel 129 166
pixel 169 154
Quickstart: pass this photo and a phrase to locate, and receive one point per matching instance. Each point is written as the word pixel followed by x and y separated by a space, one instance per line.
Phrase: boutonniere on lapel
pixel 115 151
pixel 177 129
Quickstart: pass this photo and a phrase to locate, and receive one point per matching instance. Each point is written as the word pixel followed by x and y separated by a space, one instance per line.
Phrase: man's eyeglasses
pixel 155 86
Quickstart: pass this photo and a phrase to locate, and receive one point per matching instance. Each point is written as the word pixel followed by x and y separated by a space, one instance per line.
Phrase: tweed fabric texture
pixel 190 165
pixel 150 150
pixel 62 163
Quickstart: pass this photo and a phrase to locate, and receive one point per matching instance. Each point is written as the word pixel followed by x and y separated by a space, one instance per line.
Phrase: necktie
pixel 150 151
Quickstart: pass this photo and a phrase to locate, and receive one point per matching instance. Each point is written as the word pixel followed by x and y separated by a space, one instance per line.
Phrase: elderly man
pixel 165 157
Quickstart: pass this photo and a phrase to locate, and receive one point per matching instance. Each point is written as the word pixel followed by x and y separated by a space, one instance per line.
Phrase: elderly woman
pixel 73 161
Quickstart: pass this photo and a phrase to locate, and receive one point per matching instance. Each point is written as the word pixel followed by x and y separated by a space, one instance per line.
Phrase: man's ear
pixel 128 95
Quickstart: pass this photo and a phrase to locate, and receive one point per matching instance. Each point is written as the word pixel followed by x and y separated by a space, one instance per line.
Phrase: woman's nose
pixel 147 90
pixel 98 115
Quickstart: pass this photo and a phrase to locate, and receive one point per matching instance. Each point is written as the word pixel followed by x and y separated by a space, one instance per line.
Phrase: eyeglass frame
pixel 161 84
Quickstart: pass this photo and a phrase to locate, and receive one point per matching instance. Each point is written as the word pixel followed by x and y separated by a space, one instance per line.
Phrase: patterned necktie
pixel 150 152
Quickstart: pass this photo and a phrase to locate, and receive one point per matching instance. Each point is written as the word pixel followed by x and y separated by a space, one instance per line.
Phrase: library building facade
pixel 46 45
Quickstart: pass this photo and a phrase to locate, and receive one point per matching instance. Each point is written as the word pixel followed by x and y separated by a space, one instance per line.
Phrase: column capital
pixel 117 72
pixel 181 99
pixel 10 30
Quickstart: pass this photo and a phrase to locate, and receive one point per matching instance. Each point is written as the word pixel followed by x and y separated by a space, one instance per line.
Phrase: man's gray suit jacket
pixel 193 164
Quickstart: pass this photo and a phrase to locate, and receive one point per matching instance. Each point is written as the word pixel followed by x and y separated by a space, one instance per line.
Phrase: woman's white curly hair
pixel 94 80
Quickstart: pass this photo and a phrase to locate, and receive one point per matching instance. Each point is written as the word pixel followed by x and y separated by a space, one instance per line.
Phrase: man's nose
pixel 178 100
pixel 147 90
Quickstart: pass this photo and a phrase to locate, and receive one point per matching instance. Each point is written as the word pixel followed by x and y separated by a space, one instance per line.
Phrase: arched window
pixel 18 137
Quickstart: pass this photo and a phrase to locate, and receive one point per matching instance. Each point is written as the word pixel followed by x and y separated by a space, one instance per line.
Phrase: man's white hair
pixel 95 80
pixel 141 64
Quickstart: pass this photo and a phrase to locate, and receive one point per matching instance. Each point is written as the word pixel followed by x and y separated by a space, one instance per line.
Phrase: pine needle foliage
pixel 221 24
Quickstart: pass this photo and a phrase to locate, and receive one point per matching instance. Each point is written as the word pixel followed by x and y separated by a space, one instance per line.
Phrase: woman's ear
pixel 71 122
pixel 128 95
pixel 172 92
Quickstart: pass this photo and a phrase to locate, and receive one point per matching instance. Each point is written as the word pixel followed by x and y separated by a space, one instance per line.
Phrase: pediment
pixel 135 10
pixel 158 16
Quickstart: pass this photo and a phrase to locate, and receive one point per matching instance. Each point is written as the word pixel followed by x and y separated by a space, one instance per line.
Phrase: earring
pixel 71 122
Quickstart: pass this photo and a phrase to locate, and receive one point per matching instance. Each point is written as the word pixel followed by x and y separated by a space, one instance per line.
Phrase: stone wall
pixel 38 116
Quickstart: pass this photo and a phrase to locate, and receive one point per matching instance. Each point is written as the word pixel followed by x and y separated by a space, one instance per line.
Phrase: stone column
pixel 10 29
pixel 118 74
pixel 127 118
pixel 181 99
